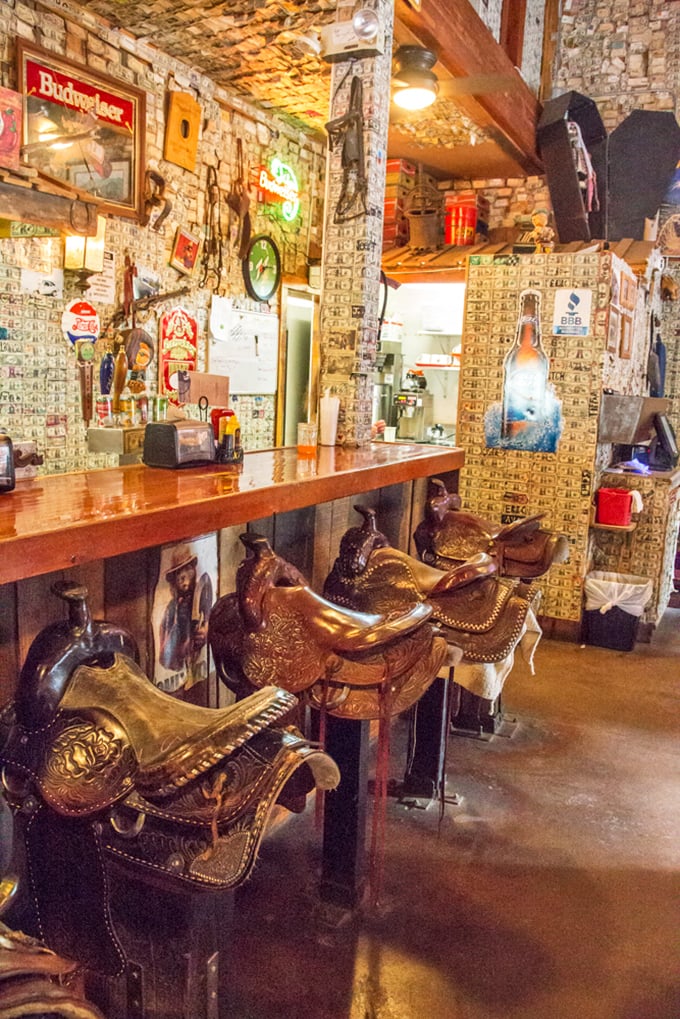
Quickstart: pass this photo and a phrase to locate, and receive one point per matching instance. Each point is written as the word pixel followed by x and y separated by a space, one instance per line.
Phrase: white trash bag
pixel 605 590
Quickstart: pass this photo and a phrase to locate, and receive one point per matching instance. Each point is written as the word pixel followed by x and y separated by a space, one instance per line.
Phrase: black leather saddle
pixel 358 664
pixel 99 766
pixel 448 535
pixel 478 611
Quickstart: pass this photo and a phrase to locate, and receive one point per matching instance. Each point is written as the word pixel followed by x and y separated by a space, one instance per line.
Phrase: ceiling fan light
pixel 416 97
pixel 415 84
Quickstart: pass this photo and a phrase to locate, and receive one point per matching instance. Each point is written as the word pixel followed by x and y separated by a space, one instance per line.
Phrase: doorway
pixel 298 394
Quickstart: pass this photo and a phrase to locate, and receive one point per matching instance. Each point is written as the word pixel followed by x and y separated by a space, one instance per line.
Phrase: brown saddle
pixel 275 630
pixel 115 769
pixel 478 611
pixel 448 535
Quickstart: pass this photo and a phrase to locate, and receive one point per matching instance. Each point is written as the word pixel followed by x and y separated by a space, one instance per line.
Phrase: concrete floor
pixel 550 891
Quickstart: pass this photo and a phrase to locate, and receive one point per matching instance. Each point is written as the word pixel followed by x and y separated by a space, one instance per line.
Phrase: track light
pixel 415 83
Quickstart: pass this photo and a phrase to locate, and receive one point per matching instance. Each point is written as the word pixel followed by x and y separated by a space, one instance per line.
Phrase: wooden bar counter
pixel 58 522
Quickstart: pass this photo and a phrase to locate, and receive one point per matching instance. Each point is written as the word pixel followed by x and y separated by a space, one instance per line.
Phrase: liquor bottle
pixel 119 377
pixel 525 372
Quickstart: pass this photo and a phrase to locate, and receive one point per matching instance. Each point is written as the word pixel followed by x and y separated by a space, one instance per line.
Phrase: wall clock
pixel 261 267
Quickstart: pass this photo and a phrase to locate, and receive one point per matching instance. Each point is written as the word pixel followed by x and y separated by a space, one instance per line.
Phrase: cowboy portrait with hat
pixel 184 624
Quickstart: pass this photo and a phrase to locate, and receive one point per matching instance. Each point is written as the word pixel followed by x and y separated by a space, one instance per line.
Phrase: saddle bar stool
pixel 481 615
pixel 352 666
pixel 448 535
pixel 118 788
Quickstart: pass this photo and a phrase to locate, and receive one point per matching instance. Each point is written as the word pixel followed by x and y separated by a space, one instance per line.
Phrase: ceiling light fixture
pixel 415 84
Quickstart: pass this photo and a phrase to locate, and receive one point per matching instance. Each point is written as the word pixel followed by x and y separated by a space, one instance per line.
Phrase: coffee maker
pixel 414 408
pixel 389 363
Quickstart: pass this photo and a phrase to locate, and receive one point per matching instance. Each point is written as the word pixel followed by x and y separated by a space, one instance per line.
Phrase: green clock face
pixel 262 268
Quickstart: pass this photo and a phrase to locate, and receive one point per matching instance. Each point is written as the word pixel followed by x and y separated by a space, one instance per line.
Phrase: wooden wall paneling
pixel 36 607
pixel 92 576
pixel 231 554
pixel 333 519
pixel 129 583
pixel 294 538
pixel 418 497
pixel 394 514
pixel 323 526
pixel 9 648
pixel 263 526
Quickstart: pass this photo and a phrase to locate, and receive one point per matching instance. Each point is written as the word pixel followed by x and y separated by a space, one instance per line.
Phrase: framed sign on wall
pixel 83 129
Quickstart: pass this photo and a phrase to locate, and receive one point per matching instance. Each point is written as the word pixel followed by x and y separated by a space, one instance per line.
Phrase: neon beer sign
pixel 280 183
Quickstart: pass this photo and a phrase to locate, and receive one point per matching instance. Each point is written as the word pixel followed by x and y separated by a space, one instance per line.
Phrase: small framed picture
pixel 185 251
pixel 626 344
pixel 613 331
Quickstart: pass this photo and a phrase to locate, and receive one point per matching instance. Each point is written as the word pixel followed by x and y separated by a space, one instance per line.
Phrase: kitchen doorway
pixel 298 390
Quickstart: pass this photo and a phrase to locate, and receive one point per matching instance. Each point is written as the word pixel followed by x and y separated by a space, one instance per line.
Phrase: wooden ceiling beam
pixel 464 46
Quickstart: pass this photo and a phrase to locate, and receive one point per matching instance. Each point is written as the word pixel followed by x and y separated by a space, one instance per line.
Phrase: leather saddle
pixel 100 766
pixel 275 630
pixel 448 535
pixel 478 611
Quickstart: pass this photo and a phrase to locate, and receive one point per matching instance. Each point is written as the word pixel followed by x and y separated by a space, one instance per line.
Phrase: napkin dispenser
pixel 178 443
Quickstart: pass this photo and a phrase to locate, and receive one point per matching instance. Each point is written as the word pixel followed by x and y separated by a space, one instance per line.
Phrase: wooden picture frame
pixel 83 129
pixel 613 331
pixel 184 254
pixel 626 341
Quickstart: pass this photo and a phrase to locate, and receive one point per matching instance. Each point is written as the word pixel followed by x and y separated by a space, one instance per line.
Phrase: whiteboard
pixel 247 350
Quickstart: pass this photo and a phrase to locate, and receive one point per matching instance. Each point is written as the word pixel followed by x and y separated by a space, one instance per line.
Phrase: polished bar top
pixel 59 521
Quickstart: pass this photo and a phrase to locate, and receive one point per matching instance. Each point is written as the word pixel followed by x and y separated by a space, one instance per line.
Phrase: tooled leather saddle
pixel 101 767
pixel 273 629
pixel 478 611
pixel 448 535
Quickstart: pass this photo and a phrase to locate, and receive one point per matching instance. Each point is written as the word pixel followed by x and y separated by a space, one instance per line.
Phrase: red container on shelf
pixel 614 506
pixel 460 219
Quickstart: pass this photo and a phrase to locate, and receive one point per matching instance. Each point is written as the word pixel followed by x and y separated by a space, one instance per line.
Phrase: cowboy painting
pixel 182 603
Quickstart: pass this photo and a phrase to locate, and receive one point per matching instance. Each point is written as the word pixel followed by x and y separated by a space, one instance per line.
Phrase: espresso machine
pixel 414 408
pixel 389 363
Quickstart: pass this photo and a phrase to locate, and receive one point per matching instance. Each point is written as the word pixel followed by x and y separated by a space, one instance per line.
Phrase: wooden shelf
pixel 623 528
pixel 31 199
pixel 614 527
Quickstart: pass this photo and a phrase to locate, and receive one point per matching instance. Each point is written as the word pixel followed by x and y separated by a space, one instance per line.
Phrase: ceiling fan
pixel 416 86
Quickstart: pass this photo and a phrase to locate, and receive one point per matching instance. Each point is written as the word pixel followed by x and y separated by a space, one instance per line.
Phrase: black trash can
pixel 614 604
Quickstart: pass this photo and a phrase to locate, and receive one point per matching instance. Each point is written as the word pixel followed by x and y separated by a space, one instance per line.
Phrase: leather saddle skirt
pixel 448 535
pixel 478 611
pixel 275 630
